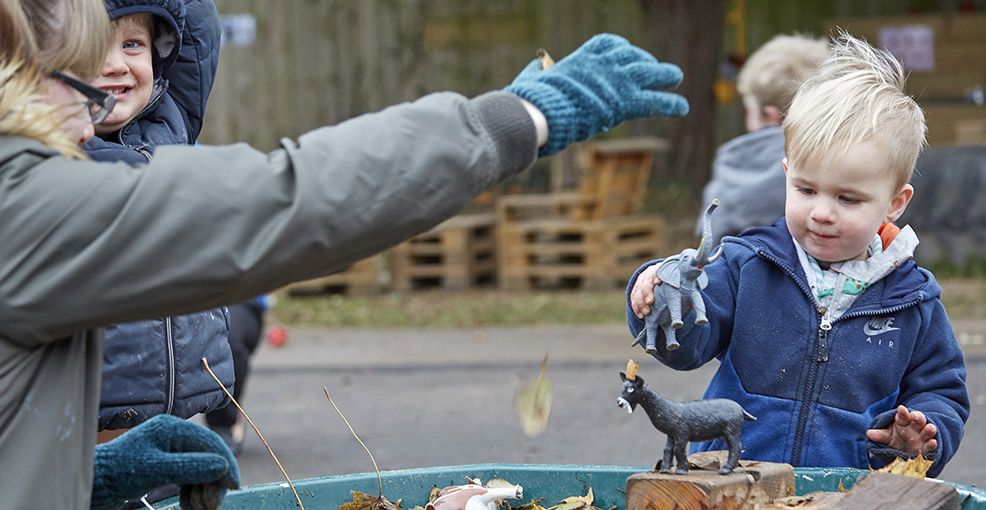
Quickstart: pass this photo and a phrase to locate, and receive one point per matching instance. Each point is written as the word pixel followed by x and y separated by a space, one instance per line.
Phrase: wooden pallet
pixel 561 253
pixel 362 278
pixel 455 255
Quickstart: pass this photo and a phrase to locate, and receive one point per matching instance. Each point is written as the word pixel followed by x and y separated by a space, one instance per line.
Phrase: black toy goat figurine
pixel 699 420
pixel 682 277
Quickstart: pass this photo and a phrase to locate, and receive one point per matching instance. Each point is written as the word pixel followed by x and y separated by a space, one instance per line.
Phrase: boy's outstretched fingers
pixel 910 432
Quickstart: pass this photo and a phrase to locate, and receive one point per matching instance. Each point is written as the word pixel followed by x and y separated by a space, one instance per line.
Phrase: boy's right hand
pixel 642 293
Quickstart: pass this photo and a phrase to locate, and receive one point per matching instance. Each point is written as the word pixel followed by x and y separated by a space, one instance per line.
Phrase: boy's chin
pixel 106 128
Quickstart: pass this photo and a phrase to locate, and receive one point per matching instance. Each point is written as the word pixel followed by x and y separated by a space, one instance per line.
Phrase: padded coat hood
pixel 169 22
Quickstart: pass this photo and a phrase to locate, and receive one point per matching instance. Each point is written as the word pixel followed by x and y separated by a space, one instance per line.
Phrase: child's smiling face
pixel 128 71
pixel 835 207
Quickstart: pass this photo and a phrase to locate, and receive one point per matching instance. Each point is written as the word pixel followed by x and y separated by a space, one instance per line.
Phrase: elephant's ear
pixel 703 280
pixel 669 272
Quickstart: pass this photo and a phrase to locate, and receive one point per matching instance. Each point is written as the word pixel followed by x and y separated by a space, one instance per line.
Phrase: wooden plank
pixel 884 490
pixel 944 119
pixel 359 279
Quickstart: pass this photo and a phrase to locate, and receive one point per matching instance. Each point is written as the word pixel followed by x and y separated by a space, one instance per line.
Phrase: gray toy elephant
pixel 682 277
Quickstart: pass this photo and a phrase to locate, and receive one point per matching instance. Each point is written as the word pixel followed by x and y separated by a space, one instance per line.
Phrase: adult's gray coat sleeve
pixel 87 244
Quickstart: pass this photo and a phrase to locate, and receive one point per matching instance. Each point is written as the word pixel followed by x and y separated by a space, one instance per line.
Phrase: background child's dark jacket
pixel 895 345
pixel 154 367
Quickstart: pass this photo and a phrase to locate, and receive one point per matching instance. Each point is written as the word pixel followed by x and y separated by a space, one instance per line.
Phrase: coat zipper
pixel 171 365
pixel 821 354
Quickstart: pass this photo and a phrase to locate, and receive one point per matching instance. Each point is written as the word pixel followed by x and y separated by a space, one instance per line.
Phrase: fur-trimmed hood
pixel 169 22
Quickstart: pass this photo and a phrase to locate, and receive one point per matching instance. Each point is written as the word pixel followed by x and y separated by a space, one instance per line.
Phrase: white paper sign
pixel 913 45
pixel 238 29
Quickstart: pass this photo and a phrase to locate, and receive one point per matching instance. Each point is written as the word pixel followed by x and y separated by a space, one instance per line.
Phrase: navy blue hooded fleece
pixel 893 346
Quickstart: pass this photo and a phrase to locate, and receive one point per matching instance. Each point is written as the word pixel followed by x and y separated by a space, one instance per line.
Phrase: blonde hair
pixel 856 97
pixel 38 37
pixel 145 19
pixel 773 73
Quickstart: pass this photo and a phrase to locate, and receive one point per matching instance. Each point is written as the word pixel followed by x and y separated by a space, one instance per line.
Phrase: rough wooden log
pixel 704 488
pixel 884 490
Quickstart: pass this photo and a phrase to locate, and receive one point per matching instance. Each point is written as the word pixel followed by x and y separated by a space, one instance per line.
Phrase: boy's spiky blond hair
pixel 857 96
pixel 774 71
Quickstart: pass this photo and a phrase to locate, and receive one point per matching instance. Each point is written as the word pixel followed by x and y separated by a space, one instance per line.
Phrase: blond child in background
pixel 824 329
pixel 747 176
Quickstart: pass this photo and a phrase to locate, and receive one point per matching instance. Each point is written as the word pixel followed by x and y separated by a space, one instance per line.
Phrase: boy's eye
pixel 129 45
pixel 849 200
pixel 806 191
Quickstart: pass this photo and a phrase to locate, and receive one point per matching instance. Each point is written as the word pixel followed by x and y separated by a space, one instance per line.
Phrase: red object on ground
pixel 276 336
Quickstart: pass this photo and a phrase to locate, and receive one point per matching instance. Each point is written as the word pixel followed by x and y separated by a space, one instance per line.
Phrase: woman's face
pixel 78 123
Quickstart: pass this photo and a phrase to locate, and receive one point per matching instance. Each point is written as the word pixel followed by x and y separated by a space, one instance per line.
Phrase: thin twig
pixel 255 429
pixel 379 480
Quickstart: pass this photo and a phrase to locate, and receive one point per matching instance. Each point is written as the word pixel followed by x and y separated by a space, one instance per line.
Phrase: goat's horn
pixel 632 370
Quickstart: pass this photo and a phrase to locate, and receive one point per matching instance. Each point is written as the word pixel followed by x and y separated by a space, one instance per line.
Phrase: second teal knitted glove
pixel 164 450
pixel 604 82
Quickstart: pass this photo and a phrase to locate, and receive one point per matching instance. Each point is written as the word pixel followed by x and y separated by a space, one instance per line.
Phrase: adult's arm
pixel 88 244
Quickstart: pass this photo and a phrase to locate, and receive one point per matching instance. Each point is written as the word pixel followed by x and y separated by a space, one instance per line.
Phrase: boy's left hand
pixel 910 432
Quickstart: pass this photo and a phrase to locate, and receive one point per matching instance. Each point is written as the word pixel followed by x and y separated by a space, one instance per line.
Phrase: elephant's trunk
pixel 705 247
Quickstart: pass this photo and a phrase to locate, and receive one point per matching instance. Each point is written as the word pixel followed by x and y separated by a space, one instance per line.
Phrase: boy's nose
pixel 823 212
pixel 114 64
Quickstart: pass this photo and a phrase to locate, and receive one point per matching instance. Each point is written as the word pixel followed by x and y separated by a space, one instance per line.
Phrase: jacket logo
pixel 878 326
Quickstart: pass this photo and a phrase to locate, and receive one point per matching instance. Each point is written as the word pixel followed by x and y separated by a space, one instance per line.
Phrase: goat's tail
pixel 748 417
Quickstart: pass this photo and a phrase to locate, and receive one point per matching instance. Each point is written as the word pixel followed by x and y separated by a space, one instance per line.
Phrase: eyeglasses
pixel 99 103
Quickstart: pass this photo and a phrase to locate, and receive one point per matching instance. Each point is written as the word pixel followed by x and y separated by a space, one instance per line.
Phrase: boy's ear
pixel 784 162
pixel 899 202
pixel 772 116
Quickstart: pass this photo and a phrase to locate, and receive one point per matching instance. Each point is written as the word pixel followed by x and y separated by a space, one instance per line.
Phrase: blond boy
pixel 825 330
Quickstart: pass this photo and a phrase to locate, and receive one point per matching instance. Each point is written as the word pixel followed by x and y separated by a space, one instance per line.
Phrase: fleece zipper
pixel 821 352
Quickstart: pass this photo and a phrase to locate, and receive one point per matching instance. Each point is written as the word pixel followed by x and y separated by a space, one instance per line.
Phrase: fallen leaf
pixel 587 499
pixel 533 404
pixel 498 483
pixel 916 468
pixel 366 502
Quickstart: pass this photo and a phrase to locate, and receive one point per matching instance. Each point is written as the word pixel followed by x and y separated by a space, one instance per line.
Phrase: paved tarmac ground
pixel 421 398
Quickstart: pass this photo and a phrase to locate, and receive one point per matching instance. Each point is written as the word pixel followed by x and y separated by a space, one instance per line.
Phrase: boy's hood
pixel 169 21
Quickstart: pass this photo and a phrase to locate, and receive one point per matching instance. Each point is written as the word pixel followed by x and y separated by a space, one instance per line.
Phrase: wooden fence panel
pixel 319 62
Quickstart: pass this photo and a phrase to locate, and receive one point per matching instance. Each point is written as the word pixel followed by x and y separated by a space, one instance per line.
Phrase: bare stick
pixel 255 429
pixel 379 481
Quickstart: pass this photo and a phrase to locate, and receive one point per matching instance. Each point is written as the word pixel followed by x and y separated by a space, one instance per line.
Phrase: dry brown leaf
pixel 587 499
pixel 916 468
pixel 435 491
pixel 533 404
pixel 366 502
pixel 498 483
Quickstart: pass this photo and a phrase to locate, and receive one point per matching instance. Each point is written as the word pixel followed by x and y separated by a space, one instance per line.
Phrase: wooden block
pixel 750 483
pixel 884 490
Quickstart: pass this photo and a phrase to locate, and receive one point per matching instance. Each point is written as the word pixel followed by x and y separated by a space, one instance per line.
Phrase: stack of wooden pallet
pixel 455 255
pixel 590 239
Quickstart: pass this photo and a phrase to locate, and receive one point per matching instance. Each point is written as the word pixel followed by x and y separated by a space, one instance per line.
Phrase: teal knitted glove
pixel 603 83
pixel 164 450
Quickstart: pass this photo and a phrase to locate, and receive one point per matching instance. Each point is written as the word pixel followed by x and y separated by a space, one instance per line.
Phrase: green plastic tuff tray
pixel 553 482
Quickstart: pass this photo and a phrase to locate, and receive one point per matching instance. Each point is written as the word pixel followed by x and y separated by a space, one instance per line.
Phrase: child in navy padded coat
pixel 824 329
pixel 160 67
